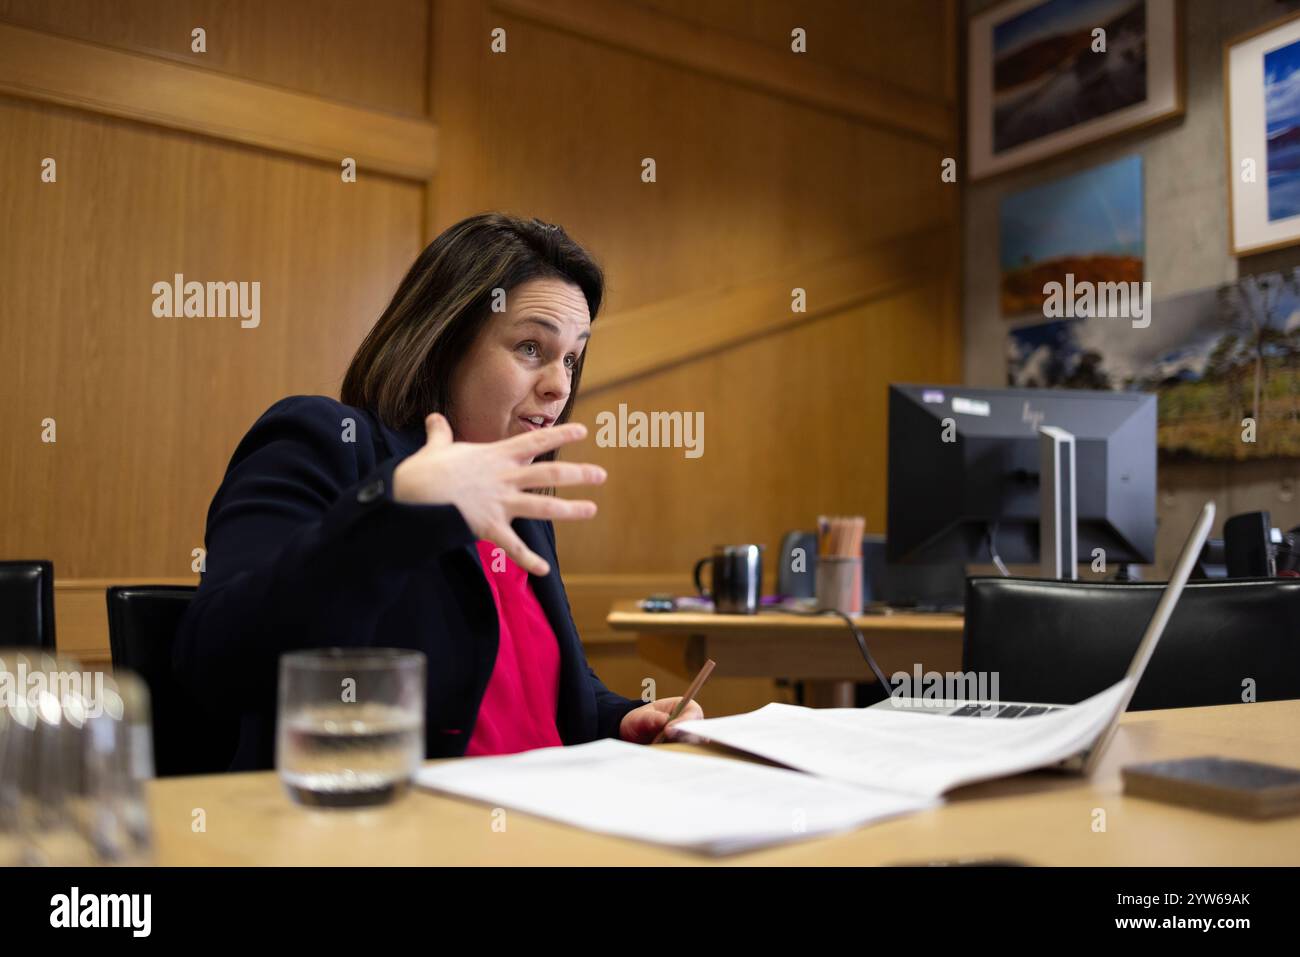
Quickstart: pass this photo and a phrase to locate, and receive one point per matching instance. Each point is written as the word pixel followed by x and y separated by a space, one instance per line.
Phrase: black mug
pixel 737 582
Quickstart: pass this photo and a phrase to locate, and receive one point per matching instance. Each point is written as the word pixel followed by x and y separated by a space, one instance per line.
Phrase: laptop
pixel 1018 709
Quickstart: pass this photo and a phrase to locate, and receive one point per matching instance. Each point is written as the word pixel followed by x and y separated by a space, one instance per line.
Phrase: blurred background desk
pixel 820 651
pixel 1039 818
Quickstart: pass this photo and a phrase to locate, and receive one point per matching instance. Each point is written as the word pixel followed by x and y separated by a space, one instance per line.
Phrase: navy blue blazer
pixel 307 548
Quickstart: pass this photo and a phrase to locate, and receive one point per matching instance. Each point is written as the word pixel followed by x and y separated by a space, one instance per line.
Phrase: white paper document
pixel 714 805
pixel 920 754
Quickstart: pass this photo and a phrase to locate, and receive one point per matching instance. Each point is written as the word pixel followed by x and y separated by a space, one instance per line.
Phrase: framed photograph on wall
pixel 1213 355
pixel 1261 101
pixel 1084 228
pixel 1045 76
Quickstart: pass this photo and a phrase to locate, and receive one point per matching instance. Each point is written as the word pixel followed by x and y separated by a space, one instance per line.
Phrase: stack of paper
pixel 920 754
pixel 715 805
pixel 863 765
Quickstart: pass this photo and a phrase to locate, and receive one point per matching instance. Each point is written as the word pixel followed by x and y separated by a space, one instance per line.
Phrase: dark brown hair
pixel 402 369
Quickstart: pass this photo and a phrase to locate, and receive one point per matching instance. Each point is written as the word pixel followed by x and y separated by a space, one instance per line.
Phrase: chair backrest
pixel 27 604
pixel 142 625
pixel 1060 642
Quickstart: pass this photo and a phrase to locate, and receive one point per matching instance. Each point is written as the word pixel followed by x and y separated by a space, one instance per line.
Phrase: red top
pixel 519 707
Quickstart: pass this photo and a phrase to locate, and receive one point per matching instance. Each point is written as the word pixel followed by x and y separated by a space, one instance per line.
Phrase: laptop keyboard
pixel 1001 711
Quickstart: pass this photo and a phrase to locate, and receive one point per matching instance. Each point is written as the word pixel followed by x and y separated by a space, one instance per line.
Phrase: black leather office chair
pixel 142 623
pixel 1061 642
pixel 27 604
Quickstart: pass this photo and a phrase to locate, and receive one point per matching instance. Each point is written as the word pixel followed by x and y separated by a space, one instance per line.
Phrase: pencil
pixel 687 698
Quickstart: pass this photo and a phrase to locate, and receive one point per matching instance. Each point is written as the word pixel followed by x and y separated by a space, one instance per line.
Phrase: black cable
pixel 857 635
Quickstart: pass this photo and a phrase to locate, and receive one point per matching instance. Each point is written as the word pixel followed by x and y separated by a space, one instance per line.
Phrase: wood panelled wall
pixel 768 177
pixel 374 55
pixel 774 170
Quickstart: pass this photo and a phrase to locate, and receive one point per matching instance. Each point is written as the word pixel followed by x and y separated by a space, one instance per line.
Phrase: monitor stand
pixel 1126 572
pixel 1058 527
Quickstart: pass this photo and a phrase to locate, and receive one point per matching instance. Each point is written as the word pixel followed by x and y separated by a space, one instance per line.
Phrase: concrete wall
pixel 1186 197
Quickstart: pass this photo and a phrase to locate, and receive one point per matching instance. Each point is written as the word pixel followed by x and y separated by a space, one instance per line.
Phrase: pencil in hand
pixel 687 698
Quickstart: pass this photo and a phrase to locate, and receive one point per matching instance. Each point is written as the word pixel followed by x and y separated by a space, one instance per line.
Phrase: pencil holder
pixel 839 584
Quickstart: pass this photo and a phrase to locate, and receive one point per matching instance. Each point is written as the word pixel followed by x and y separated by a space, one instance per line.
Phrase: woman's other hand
pixel 640 725
pixel 489 481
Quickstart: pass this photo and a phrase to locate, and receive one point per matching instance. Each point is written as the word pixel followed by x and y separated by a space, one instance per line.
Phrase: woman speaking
pixel 413 512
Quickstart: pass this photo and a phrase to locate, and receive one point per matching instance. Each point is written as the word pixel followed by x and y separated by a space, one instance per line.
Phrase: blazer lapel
pixel 401 442
pixel 550 595
pixel 571 720
pixel 549 591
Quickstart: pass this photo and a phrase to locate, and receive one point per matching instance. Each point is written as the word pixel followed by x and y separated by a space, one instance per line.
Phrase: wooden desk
pixel 1041 818
pixel 819 651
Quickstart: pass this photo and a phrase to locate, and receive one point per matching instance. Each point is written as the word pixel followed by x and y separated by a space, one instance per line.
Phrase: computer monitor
pixel 964 472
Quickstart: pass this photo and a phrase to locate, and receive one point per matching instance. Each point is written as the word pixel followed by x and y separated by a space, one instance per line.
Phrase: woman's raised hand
pixel 489 481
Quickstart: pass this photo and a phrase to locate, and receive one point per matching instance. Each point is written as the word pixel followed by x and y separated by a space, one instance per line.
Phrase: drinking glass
pixel 75 751
pixel 350 726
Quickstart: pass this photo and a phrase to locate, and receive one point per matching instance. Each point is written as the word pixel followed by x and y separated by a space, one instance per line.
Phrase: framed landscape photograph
pixel 1214 356
pixel 1261 81
pixel 1045 76
pixel 1087 227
